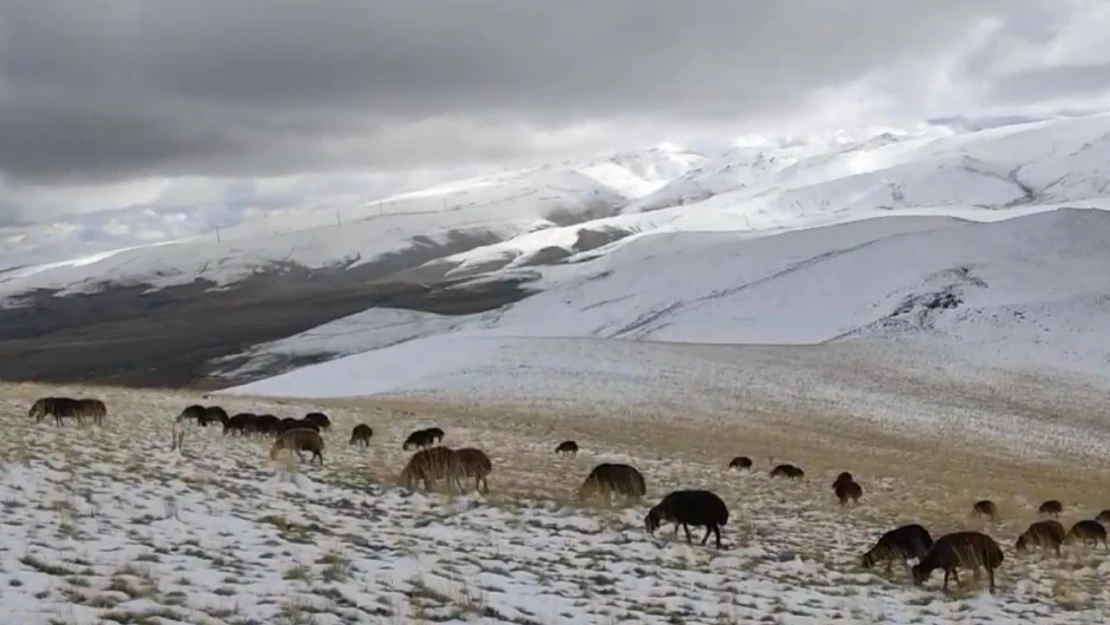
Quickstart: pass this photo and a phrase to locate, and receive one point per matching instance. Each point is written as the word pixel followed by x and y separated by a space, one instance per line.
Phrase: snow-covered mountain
pixel 467 212
pixel 1029 293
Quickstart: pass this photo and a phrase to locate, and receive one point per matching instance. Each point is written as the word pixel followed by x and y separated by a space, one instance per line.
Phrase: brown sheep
pixel 985 508
pixel 476 464
pixel 297 440
pixel 740 462
pixel 1089 532
pixel 607 478
pixel 700 508
pixel 95 409
pixel 320 419
pixel 1051 508
pixel 904 543
pixel 430 465
pixel 848 490
pixel 361 434
pixel 567 448
pixel 967 550
pixel 788 471
pixel 1043 534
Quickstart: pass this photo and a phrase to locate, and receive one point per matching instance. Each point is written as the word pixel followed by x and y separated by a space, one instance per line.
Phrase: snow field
pixel 106 525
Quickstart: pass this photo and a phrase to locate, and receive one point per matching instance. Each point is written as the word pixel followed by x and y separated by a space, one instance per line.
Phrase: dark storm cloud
pixel 121 88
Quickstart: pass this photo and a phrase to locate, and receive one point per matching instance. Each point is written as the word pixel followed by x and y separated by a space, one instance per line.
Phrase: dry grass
pixel 795 546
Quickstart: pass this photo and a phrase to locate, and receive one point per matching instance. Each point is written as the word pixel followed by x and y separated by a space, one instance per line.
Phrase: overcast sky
pixel 108 103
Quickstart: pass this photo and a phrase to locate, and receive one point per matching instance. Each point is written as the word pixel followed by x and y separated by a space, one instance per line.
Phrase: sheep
pixel 1103 517
pixel 740 462
pixel 1089 532
pixel 419 439
pixel 567 448
pixel 212 414
pixel 288 424
pixel 299 439
pixel 193 412
pixel 969 550
pixel 242 423
pixel 267 424
pixel 907 542
pixel 848 490
pixel 788 471
pixel 361 434
pixel 431 464
pixel 58 407
pixel 985 508
pixel 320 419
pixel 475 463
pixel 700 508
pixel 1051 508
pixel 436 434
pixel 1044 534
pixel 842 478
pixel 92 408
pixel 607 478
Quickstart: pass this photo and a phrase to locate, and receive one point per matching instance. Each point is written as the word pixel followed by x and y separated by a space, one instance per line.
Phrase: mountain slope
pixel 1028 291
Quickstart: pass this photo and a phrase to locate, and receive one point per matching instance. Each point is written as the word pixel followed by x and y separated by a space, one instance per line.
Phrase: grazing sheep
pixel 430 465
pixel 193 412
pixel 700 508
pixel 95 409
pixel 842 478
pixel 567 448
pixel 242 423
pixel 1089 532
pixel 212 414
pixel 904 543
pixel 297 440
pixel 1051 508
pixel 361 434
pixel 967 550
pixel 985 508
pixel 57 407
pixel 267 424
pixel 788 471
pixel 848 490
pixel 320 419
pixel 1043 534
pixel 607 478
pixel 1103 517
pixel 475 463
pixel 419 439
pixel 740 462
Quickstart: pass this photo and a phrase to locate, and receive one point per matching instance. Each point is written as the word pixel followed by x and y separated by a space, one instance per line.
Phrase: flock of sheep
pixel 432 463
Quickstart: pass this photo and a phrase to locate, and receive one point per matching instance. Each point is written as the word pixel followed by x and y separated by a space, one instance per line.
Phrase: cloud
pixel 95 93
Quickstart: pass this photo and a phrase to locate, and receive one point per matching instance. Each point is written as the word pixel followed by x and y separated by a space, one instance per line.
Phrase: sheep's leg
pixel 990 576
pixel 676 528
pixel 956 576
pixel 708 529
pixel 716 534
pixel 947 574
pixel 686 529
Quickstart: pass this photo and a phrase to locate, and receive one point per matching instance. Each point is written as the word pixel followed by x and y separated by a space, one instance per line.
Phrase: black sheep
pixel 700 508
pixel 740 462
pixel 907 542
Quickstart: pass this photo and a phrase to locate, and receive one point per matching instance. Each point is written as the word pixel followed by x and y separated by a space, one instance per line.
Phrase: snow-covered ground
pixel 107 525
pixel 1024 294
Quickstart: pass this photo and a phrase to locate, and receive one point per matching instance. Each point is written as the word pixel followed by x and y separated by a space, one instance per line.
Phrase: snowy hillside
pixel 775 185
pixel 1027 293
pixel 463 213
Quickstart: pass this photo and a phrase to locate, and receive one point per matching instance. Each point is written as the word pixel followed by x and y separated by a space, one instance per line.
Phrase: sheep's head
pixel 652 521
